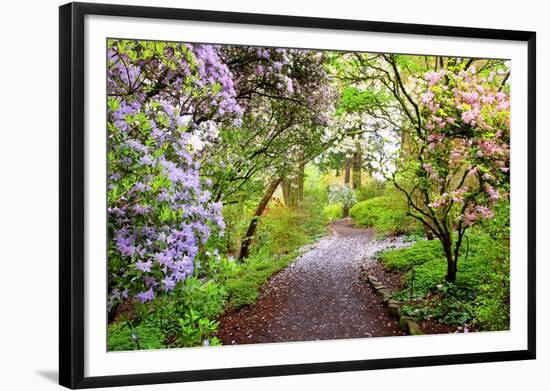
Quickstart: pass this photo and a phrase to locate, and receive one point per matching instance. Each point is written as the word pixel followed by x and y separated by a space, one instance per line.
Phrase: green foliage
pixel 371 189
pixel 450 306
pixel 281 230
pixel 236 217
pixel 492 305
pixel 387 214
pixel 480 295
pixel 356 100
pixel 405 259
pixel 196 329
pixel 333 212
pixel 120 336
pixel 432 273
pixel 194 302
pixel 244 288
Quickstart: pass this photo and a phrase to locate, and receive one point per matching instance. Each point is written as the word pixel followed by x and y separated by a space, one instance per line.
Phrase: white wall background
pixel 28 192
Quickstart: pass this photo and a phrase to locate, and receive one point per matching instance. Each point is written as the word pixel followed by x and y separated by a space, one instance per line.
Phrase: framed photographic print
pixel 247 195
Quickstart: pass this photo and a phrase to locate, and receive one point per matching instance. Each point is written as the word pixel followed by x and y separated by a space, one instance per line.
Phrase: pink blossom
pixel 432 77
pixel 435 137
pixel 428 167
pixel 470 116
pixel 436 204
pixel 458 195
pixel 427 97
pixel 484 212
pixel 470 98
pixel 487 99
pixel 493 194
pixel 455 155
pixel 504 105
pixel 470 218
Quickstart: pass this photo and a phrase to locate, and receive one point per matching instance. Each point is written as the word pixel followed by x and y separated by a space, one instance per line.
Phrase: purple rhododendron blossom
pixel 144 266
pixel 146 296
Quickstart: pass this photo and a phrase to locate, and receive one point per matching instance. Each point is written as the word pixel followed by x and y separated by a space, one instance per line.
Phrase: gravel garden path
pixel 318 296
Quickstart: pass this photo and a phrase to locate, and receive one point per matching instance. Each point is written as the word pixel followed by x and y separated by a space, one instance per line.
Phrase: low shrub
pixel 333 212
pixel 405 259
pixel 373 188
pixel 280 230
pixel 387 214
pixel 255 271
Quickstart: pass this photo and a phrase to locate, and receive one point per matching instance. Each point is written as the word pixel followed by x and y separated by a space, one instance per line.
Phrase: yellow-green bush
pixel 333 212
pixel 387 214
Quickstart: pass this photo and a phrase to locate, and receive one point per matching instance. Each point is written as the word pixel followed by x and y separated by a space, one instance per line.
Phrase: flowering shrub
pixel 169 105
pixel 341 194
pixel 467 135
pixel 160 210
pixel 461 155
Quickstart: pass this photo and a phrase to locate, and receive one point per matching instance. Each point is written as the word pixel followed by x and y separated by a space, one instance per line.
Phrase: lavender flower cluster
pixel 160 211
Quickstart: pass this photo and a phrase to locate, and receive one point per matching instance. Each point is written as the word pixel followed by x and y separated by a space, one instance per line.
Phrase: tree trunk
pixel 293 189
pixel 299 185
pixel 345 211
pixel 286 186
pixel 357 165
pixel 451 270
pixel 451 263
pixel 429 234
pixel 347 171
pixel 403 146
pixel 290 192
pixel 247 240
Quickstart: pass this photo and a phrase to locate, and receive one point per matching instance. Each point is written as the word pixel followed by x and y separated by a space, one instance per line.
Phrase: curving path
pixel 318 296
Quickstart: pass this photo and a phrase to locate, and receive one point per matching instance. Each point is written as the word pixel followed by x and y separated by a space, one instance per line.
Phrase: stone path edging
pixel 406 323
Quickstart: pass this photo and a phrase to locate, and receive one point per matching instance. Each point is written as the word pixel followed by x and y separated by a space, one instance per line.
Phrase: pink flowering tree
pixel 458 160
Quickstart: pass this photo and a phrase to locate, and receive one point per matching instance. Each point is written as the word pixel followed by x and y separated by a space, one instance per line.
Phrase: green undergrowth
pixel 479 298
pixel 333 212
pixel 387 214
pixel 243 289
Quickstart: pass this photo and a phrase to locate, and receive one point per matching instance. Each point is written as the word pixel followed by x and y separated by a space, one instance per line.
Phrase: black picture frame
pixel 71 190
